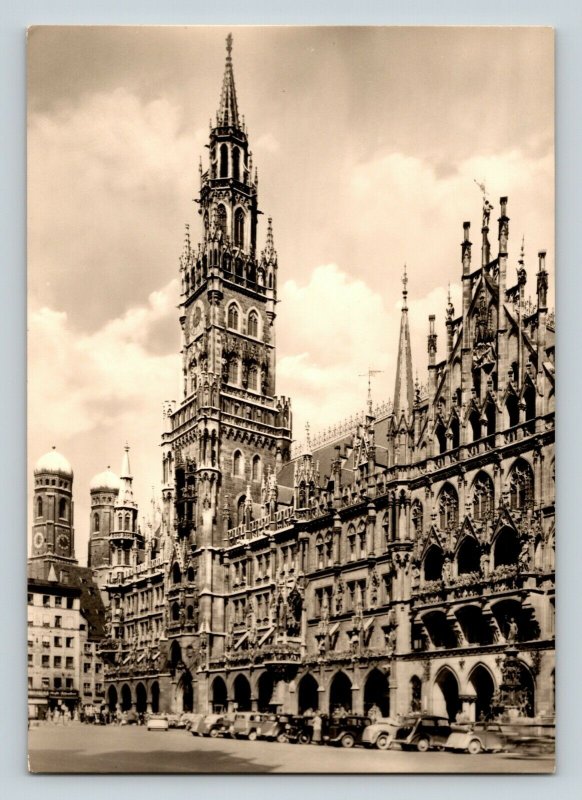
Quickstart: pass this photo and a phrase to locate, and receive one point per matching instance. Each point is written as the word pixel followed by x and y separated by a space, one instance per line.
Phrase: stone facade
pixel 394 565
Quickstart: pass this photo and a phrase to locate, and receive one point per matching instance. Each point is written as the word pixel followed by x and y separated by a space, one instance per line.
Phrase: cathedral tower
pixel 104 490
pixel 52 513
pixel 229 429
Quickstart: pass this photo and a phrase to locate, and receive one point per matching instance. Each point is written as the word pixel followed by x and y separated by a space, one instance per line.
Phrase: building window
pixel 521 486
pixel 30 683
pixel 69 683
pixel 232 319
pixel 45 683
pixel 39 508
pixel 253 324
pixel 448 507
pixel 45 661
pixel 57 683
pixel 237 463
pixel 30 599
pixel 86 689
pixel 253 382
pixel 239 227
pixel 63 508
pixel 86 667
pixel 69 641
pixel 351 544
pixel 30 659
pixel 58 662
pixel 223 161
pixel 58 622
pixel 46 601
pixel 46 642
pixel 233 370
pixel 256 468
pixel 482 496
pixel 236 163
pixel 70 602
pixel 57 641
pixel 96 522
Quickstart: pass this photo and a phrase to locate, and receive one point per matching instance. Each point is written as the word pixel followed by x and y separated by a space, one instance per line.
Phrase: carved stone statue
pixel 512 631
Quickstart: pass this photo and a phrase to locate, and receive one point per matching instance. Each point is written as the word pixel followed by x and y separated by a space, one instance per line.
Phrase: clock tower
pixel 229 429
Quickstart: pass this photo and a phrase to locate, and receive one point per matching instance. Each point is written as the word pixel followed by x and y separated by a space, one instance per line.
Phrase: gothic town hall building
pixel 393 561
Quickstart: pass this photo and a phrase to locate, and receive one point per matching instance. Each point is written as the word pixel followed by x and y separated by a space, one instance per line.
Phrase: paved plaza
pixel 112 749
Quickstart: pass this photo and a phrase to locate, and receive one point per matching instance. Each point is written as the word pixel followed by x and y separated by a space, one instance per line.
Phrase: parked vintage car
pixel 212 725
pixel 345 731
pixel 158 722
pixel 273 727
pixel 299 729
pixel 380 733
pixel 422 732
pixel 477 738
pixel 246 725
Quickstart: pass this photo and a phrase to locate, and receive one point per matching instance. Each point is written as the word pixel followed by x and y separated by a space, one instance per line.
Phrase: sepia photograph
pixel 291 399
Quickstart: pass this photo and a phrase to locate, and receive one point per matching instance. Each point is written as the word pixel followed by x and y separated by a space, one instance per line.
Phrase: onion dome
pixel 106 481
pixel 53 463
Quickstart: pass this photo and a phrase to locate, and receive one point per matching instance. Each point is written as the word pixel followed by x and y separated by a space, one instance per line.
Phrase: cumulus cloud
pixel 89 393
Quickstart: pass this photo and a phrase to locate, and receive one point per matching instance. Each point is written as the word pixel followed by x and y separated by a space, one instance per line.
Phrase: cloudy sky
pixel 367 141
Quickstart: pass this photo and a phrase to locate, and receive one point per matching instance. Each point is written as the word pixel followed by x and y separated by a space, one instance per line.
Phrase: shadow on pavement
pixel 153 761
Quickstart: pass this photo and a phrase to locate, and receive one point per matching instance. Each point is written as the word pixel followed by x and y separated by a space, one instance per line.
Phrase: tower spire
pixel 404 387
pixel 227 115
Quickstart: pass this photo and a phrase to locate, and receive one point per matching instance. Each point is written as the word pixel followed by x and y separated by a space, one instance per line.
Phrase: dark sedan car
pixel 345 731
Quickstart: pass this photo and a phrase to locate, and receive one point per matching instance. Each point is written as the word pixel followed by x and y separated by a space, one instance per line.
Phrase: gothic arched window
pixel 223 161
pixel 39 508
pixel 351 543
pixel 529 398
pixel 512 407
pixel 241 511
pixel 253 324
pixel 319 552
pixel 441 435
pixel 127 525
pixel 256 468
pixel 237 463
pixel 95 522
pixel 221 219
pixel 176 574
pixel 448 507
pixel 482 495
pixel 232 319
pixel 62 508
pixel 233 371
pixel 363 543
pixel 236 164
pixel 239 227
pixel 521 485
pixel 475 422
pixel 253 383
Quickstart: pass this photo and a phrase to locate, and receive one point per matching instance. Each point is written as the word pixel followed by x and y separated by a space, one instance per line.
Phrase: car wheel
pixel 252 736
pixel 282 738
pixel 213 733
pixel 348 740
pixel 474 747
pixel 304 738
pixel 422 745
pixel 383 742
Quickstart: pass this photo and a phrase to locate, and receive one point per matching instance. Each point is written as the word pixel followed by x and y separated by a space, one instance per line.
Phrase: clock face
pixel 38 540
pixel 63 541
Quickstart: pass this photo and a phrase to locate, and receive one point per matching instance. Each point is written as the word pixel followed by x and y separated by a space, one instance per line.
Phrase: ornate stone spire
pixel 125 497
pixel 227 115
pixel 269 253
pixel 404 387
